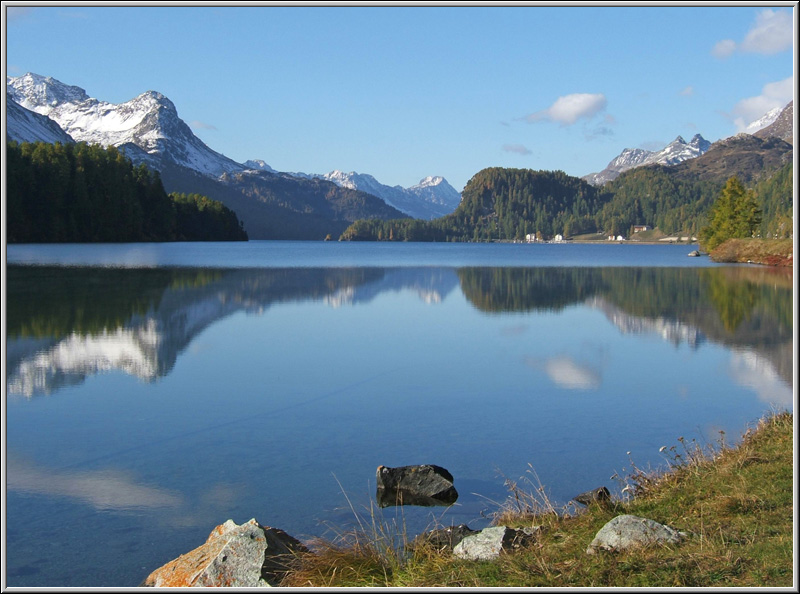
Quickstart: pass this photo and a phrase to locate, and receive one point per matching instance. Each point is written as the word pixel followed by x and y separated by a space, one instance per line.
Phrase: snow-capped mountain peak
pixel 258 165
pixel 675 152
pixel 148 122
pixel 429 182
pixel 38 93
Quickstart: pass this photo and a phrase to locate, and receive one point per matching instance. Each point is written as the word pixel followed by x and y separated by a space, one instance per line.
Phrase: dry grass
pixel 771 252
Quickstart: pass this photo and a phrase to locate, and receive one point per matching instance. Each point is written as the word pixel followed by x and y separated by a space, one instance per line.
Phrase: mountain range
pixel 286 205
pixel 675 152
pixel 776 123
pixel 148 130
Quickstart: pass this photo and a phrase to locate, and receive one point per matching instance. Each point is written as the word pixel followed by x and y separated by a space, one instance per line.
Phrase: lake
pixel 156 390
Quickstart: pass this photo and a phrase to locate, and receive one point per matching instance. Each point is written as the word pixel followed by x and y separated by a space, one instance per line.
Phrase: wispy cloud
pixel 688 91
pixel 774 94
pixel 770 34
pixel 570 108
pixel 516 148
pixel 724 48
pixel 198 125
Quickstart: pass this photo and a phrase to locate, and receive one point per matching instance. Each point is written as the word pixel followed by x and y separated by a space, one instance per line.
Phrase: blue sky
pixel 405 92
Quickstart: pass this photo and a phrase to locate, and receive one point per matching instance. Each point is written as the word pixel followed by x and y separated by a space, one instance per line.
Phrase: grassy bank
pixel 736 503
pixel 772 252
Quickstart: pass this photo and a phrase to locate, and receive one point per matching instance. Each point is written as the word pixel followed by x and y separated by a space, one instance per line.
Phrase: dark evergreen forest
pixel 86 193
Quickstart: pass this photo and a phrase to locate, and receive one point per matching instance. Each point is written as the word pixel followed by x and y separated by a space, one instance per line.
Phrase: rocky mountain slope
pixel 781 127
pixel 24 125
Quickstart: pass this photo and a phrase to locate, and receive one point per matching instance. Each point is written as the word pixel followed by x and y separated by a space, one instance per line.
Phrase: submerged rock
pixel 490 542
pixel 424 484
pixel 245 555
pixel 627 532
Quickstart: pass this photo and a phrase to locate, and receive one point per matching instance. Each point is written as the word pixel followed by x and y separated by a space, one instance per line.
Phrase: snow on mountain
pixel 431 198
pixel 782 127
pixel 258 165
pixel 149 122
pixel 675 152
pixel 24 125
pixel 763 121
pixel 147 128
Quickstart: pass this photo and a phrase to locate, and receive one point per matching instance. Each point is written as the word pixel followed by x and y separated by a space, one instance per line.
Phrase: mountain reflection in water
pixel 65 324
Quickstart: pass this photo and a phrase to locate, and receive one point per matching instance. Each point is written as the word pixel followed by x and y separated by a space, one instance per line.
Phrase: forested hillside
pixel 509 204
pixel 86 193
pixel 501 204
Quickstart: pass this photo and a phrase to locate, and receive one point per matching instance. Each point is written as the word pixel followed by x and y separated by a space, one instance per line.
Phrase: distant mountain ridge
pixel 675 152
pixel 431 198
pixel 149 130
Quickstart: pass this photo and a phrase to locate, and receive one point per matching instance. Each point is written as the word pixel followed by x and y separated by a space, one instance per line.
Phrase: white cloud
pixel 688 91
pixel 516 148
pixel 770 34
pixel 774 94
pixel 724 48
pixel 570 108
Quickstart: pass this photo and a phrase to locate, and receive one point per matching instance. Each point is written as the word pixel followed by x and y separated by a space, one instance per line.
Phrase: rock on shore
pixel 239 556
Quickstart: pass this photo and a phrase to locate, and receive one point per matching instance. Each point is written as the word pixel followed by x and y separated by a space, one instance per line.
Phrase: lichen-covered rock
pixel 424 484
pixel 246 555
pixel 490 542
pixel 627 532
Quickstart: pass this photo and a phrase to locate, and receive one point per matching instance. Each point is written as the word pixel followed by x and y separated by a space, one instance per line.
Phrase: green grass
pixel 736 503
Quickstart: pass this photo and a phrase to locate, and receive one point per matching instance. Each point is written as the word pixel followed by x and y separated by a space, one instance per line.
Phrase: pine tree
pixel 735 214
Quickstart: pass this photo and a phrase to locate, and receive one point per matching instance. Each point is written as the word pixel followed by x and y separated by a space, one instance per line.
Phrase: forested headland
pixel 500 204
pixel 86 193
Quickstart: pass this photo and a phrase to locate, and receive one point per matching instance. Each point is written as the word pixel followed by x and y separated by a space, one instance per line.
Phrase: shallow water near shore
pixel 156 390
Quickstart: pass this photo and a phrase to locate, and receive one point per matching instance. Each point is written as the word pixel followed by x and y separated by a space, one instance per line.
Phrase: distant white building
pixel 640 228
pixel 558 238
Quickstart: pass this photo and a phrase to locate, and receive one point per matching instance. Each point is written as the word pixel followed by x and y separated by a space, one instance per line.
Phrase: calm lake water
pixel 156 390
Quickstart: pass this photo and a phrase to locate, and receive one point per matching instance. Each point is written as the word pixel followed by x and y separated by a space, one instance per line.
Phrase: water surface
pixel 154 391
